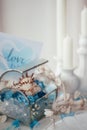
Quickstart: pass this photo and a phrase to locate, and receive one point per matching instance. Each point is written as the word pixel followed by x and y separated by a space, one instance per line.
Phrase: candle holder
pixel 81 71
pixel 70 80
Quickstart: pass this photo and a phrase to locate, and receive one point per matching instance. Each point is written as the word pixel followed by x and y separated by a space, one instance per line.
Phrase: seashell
pixel 33 109
pixel 48 112
pixel 79 102
pixel 85 100
pixel 68 109
pixel 58 81
pixel 76 94
pixel 67 97
pixel 41 69
pixel 71 101
pixel 36 105
pixel 55 106
pixel 3 118
pixel 9 84
pixel 63 109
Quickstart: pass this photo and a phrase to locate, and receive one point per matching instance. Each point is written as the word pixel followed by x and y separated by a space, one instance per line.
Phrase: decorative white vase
pixel 70 80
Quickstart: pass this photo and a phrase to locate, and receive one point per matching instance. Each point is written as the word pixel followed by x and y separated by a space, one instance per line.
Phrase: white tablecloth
pixel 77 122
pixel 8 123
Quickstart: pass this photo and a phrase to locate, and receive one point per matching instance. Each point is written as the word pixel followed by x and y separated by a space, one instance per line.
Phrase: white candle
pixel 84 22
pixel 67 53
pixel 61 26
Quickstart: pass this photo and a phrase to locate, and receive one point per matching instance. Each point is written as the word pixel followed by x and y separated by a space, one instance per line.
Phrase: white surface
pixel 7 124
pixel 77 122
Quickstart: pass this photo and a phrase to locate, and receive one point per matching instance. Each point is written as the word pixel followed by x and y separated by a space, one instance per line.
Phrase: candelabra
pixel 81 71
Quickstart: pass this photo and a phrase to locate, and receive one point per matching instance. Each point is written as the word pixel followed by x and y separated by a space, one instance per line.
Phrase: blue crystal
pixel 21 98
pixel 16 123
pixel 40 83
pixel 2 96
pixel 31 99
pixel 33 123
pixel 36 97
pixel 41 94
pixel 8 94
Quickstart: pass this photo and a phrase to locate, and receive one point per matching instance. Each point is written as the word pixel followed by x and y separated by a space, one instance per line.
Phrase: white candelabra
pixel 72 80
pixel 82 53
pixel 82 69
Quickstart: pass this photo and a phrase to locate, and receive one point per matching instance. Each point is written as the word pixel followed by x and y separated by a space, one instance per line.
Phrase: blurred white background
pixel 36 20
